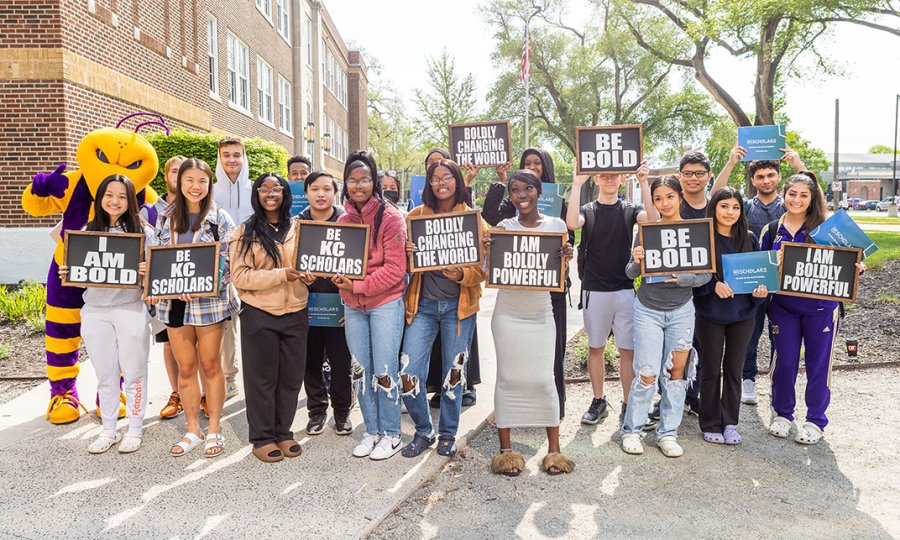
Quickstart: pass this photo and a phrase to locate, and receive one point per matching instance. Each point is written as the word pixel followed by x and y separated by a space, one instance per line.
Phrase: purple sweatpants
pixel 816 331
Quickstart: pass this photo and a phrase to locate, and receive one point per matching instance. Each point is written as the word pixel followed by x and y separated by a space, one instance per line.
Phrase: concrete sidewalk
pixel 323 493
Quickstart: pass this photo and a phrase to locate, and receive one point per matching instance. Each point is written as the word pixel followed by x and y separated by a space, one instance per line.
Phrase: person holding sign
pixel 115 324
pixel 274 318
pixel 374 308
pixel 724 323
pixel 663 334
pixel 441 302
pixel 195 324
pixel 800 323
pixel 525 340
pixel 323 341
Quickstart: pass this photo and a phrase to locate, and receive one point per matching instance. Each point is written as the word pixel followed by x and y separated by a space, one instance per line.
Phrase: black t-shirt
pixel 608 250
pixel 689 212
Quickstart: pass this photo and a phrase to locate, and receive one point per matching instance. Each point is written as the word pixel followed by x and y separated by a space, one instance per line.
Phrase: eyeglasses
pixel 278 190
pixel 360 182
pixel 446 179
pixel 694 174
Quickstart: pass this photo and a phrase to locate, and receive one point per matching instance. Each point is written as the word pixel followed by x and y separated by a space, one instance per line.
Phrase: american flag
pixel 526 59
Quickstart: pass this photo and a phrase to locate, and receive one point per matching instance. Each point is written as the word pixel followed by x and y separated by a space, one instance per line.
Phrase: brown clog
pixel 269 453
pixel 290 448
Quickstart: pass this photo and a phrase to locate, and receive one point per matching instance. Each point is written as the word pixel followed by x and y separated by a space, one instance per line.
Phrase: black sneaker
pixel 469 398
pixel 692 405
pixel 342 426
pixel 435 401
pixel 316 425
pixel 652 419
pixel 622 412
pixel 598 410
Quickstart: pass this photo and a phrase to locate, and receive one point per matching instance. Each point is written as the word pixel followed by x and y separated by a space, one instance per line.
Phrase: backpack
pixel 629 213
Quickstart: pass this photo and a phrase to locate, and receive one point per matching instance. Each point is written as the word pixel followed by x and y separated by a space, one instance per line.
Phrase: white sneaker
pixel 386 447
pixel 669 446
pixel 231 389
pixel 104 442
pixel 631 444
pixel 366 445
pixel 748 393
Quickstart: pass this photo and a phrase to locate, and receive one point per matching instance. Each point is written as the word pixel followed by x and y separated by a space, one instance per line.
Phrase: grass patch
pixel 888 243
pixel 579 350
pixel 877 220
pixel 4 351
pixel 24 303
pixel 889 299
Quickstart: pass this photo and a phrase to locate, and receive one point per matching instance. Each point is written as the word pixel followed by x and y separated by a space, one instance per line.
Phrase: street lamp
pixel 310 132
pixel 326 143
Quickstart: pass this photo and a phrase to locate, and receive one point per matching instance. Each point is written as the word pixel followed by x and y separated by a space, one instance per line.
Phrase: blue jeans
pixel 432 317
pixel 373 337
pixel 657 334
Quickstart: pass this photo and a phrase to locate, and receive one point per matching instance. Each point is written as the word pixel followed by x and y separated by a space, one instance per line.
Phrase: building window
pixel 265 7
pixel 212 52
pixel 323 52
pixel 309 42
pixel 282 19
pixel 346 143
pixel 264 82
pixel 329 73
pixel 284 105
pixel 346 92
pixel 238 73
pixel 339 91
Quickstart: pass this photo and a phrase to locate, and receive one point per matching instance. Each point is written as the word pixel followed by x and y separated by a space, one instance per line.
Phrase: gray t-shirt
pixel 436 287
pixel 188 237
pixel 665 296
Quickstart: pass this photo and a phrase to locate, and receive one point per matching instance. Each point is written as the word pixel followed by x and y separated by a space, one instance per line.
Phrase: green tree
pixel 450 98
pixel 882 149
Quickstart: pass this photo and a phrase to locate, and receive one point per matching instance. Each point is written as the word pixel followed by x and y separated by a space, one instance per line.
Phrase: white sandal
pixel 669 446
pixel 104 442
pixel 131 442
pixel 780 427
pixel 631 444
pixel 214 441
pixel 808 434
pixel 193 441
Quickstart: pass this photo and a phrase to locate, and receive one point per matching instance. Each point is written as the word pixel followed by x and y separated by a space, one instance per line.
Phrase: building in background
pixel 276 69
pixel 864 176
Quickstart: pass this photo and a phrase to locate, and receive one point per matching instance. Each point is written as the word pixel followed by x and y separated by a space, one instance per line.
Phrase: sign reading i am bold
pixel 822 272
pixel 99 259
pixel 444 241
pixel 326 248
pixel 682 247
pixel 527 261
pixel 483 143
pixel 191 269
pixel 609 149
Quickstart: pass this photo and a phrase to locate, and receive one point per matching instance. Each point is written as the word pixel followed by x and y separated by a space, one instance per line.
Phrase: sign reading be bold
pixel 444 241
pixel 609 149
pixel 683 247
pixel 326 248
pixel 98 259
pixel 483 143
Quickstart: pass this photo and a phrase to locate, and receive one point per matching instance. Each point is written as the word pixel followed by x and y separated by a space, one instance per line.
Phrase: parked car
pixel 883 205
pixel 853 203
pixel 868 205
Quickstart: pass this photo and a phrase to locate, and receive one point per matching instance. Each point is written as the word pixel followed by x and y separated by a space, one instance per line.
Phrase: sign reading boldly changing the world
pixel 444 241
pixel 608 149
pixel 682 247
pixel 98 259
pixel 326 248
pixel 526 260
pixel 822 272
pixel 191 269
pixel 483 143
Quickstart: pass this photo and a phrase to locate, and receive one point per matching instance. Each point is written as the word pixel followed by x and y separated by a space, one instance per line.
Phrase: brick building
pixel 276 69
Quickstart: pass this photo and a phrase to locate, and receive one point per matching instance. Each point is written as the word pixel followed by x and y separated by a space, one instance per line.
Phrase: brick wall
pixel 358 122
pixel 30 23
pixel 864 189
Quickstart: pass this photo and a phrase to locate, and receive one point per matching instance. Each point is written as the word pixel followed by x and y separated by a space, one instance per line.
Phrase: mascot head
pixel 110 151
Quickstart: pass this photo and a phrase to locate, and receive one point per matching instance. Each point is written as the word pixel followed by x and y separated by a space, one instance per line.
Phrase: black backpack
pixel 630 214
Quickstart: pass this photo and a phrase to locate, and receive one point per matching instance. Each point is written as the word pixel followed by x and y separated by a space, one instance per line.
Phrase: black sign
pixel 325 248
pixel 99 259
pixel 609 149
pixel 682 247
pixel 481 143
pixel 444 241
pixel 822 272
pixel 191 269
pixel 526 260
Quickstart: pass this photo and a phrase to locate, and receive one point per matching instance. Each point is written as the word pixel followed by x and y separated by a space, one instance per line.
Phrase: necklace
pixel 274 226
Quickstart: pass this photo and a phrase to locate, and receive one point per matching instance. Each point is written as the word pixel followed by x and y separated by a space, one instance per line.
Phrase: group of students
pixel 405 334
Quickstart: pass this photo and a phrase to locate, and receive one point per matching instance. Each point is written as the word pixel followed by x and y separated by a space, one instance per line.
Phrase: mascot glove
pixel 53 184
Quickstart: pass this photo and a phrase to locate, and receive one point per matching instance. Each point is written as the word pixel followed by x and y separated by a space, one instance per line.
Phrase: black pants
pixel 273 351
pixel 331 343
pixel 435 365
pixel 558 301
pixel 723 349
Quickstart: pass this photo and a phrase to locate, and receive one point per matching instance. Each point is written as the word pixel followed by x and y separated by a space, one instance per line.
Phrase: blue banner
pixel 416 187
pixel 325 309
pixel 762 142
pixel 299 202
pixel 550 203
pixel 744 272
pixel 840 230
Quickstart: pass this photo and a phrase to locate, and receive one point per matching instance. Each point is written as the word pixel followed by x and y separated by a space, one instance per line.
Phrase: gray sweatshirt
pixel 665 296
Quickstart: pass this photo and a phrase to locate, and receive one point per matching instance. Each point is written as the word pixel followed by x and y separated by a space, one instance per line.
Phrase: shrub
pixel 24 303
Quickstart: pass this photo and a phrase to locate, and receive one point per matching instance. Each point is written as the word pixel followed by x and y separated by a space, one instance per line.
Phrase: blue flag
pixel 416 187
pixel 841 230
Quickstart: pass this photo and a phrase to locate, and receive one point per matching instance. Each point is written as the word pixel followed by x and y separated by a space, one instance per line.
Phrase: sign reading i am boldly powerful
pixel 99 259
pixel 326 248
pixel 609 149
pixel 682 247
pixel 822 272
pixel 481 143
pixel 526 260
pixel 191 269
pixel 444 241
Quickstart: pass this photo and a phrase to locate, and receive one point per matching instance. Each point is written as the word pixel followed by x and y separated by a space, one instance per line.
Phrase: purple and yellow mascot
pixel 100 154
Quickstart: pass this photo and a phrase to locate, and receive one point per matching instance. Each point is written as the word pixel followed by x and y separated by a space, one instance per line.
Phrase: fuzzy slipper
pixel 561 463
pixel 809 434
pixel 508 463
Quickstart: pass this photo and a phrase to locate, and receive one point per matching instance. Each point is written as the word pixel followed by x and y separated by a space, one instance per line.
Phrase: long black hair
pixel 130 221
pixel 815 213
pixel 364 159
pixel 547 173
pixel 428 198
pixel 256 227
pixel 740 233
pixel 181 223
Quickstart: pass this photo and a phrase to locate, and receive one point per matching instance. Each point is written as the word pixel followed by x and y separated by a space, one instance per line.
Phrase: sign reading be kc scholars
pixel 325 248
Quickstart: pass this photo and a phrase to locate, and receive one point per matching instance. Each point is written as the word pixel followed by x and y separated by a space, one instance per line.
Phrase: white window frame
pixel 346 91
pixel 238 74
pixel 265 7
pixel 283 19
pixel 309 42
pixel 285 106
pixel 212 53
pixel 265 91
pixel 346 145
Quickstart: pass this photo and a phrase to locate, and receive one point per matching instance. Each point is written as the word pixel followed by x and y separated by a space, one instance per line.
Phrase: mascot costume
pixel 100 154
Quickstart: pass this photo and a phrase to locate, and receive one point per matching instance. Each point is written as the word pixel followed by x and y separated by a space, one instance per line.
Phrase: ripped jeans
pixel 656 335
pixel 435 316
pixel 373 337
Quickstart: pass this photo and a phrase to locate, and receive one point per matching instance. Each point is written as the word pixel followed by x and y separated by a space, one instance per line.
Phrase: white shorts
pixel 608 310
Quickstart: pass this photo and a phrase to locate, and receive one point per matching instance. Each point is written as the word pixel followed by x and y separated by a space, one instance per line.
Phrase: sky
pixel 401 34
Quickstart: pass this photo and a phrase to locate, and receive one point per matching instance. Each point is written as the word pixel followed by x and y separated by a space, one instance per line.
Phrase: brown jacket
pixel 262 285
pixel 469 286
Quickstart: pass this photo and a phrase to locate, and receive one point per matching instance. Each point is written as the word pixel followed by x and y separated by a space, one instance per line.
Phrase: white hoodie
pixel 234 197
